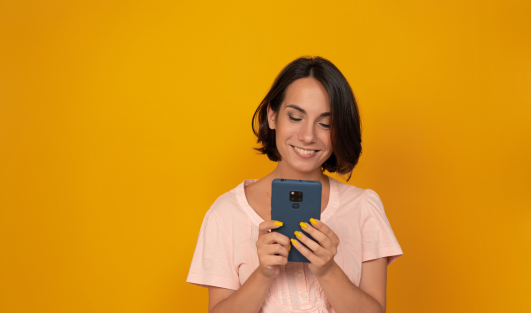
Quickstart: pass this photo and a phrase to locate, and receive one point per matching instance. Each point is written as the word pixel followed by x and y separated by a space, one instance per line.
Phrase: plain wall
pixel 122 121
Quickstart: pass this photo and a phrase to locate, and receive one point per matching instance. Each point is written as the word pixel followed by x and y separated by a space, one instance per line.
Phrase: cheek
pixel 325 139
pixel 286 131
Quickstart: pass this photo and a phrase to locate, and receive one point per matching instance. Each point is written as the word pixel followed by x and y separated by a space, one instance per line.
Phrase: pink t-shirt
pixel 225 255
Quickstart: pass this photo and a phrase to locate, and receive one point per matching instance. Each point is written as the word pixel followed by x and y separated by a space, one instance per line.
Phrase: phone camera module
pixel 295 196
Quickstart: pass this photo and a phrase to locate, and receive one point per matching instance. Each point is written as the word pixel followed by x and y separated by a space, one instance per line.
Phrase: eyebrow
pixel 296 107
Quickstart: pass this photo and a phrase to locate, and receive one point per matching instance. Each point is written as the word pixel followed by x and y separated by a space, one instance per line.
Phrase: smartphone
pixel 293 202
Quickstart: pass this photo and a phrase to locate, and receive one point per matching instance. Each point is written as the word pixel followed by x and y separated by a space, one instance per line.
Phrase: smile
pixel 305 153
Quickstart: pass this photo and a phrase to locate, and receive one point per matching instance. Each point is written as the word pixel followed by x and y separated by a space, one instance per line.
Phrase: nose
pixel 307 133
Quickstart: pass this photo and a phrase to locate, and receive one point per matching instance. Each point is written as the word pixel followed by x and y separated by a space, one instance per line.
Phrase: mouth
pixel 305 153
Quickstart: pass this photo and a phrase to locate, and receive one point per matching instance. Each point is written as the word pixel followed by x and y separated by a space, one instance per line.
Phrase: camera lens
pixel 295 196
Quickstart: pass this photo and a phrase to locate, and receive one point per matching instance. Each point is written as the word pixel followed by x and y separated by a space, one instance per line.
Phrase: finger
pixel 274 260
pixel 325 230
pixel 275 237
pixel 314 246
pixel 276 249
pixel 316 234
pixel 265 226
pixel 303 250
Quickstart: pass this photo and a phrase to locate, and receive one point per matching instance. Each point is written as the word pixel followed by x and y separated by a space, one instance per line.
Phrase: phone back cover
pixel 282 209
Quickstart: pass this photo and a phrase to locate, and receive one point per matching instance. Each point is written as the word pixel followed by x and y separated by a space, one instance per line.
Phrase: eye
pixel 324 125
pixel 294 119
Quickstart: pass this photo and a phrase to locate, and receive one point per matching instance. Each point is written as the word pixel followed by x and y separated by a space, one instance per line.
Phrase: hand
pixel 268 245
pixel 321 253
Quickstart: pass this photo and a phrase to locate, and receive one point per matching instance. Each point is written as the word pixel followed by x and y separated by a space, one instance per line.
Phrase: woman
pixel 308 122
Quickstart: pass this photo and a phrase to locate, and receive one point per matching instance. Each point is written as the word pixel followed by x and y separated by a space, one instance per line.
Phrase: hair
pixel 345 124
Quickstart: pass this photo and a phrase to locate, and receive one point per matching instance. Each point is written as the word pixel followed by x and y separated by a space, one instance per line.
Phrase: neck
pixel 282 171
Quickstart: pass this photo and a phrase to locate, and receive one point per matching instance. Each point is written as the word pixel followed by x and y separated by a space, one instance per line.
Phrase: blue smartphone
pixel 292 202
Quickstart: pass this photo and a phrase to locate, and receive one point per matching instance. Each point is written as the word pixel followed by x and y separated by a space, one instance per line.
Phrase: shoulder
pixel 349 193
pixel 356 200
pixel 225 203
pixel 228 207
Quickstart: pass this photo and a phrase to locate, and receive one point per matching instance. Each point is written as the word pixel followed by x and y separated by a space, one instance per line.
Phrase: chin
pixel 305 168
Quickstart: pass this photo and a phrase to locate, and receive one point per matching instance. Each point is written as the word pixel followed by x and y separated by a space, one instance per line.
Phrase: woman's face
pixel 301 126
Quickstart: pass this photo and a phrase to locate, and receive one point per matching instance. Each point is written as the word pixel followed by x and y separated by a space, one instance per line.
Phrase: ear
pixel 271 116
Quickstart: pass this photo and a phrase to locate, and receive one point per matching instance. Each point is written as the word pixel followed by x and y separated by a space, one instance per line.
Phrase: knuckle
pixel 267 237
pixel 278 237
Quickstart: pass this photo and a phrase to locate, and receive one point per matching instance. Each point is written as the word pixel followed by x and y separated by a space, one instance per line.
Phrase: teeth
pixel 302 151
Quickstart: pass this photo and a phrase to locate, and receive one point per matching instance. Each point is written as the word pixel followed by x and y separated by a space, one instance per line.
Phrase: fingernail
pixel 304 225
pixel 289 247
pixel 313 221
pixel 298 234
pixel 278 223
pixel 293 241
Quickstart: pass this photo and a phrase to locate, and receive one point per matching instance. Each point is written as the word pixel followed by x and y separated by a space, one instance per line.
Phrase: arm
pixel 251 295
pixel 248 298
pixel 344 296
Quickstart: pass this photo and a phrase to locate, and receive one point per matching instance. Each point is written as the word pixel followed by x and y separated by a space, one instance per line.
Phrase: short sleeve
pixel 212 263
pixel 378 239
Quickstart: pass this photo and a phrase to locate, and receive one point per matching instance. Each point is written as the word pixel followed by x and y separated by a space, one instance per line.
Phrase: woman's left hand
pixel 323 251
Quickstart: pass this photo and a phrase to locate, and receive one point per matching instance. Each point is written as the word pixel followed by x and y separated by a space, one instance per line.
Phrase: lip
pixel 304 156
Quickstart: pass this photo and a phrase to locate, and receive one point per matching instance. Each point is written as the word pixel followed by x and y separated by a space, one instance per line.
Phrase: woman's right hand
pixel 269 244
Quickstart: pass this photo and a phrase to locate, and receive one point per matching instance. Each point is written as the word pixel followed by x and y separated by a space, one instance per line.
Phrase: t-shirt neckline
pixel 331 207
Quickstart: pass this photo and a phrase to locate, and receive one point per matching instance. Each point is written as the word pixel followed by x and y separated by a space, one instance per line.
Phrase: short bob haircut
pixel 345 123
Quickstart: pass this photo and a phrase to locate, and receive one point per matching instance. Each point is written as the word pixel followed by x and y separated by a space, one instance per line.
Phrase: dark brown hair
pixel 345 123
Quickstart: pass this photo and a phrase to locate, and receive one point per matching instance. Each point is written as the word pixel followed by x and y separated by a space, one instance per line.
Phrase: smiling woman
pixel 316 83
pixel 308 123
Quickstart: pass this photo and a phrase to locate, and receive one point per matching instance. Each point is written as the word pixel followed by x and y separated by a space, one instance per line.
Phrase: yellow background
pixel 122 121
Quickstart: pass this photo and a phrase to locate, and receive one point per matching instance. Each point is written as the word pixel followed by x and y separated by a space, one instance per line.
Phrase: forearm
pixel 344 296
pixel 248 298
